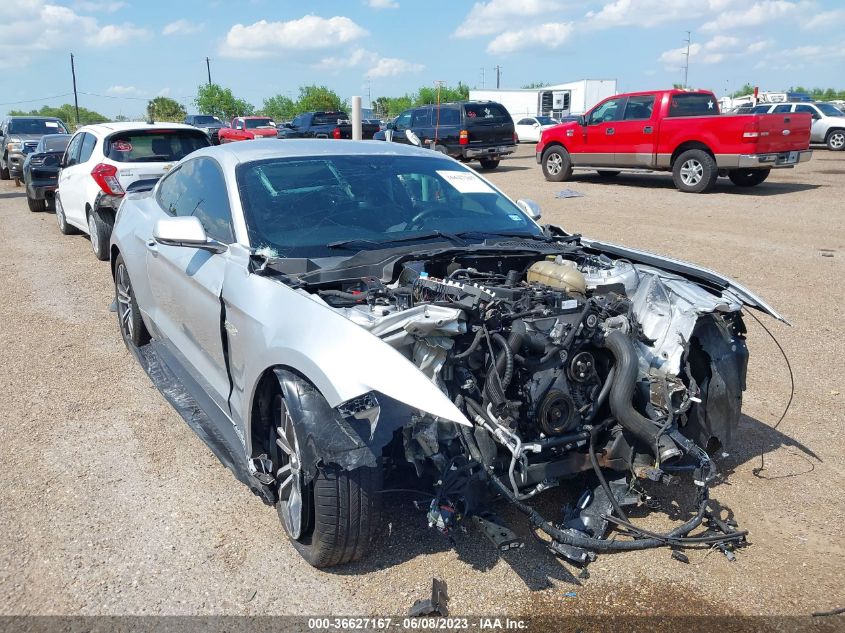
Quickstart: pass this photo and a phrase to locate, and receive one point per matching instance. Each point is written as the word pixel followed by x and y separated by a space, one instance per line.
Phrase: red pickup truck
pixel 245 128
pixel 679 131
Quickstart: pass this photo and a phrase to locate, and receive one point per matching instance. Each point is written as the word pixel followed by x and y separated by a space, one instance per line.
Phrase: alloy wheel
pixel 837 140
pixel 692 171
pixel 124 302
pixel 92 233
pixel 289 474
pixel 554 164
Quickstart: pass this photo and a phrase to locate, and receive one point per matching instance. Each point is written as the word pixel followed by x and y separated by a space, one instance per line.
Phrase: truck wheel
pixel 489 163
pixel 748 177
pixel 557 165
pixel 64 227
pixel 36 205
pixel 835 140
pixel 4 171
pixel 695 171
pixel 99 230
pixel 608 174
pixel 331 520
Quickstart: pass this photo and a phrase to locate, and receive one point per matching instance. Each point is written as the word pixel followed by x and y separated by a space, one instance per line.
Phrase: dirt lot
pixel 111 505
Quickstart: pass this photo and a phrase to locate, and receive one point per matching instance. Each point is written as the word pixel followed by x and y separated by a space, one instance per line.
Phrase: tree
pixel 747 89
pixel 220 102
pixel 66 113
pixel 428 94
pixel 279 108
pixel 165 109
pixel 318 98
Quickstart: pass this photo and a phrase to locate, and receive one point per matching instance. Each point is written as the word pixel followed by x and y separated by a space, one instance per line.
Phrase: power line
pixel 66 94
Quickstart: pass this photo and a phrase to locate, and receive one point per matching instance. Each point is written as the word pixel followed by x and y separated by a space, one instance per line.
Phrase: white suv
pixel 102 161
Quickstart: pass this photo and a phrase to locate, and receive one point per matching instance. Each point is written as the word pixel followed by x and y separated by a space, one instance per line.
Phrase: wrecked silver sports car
pixel 320 312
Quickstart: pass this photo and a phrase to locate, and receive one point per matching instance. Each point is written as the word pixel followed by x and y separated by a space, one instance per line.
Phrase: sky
pixel 128 51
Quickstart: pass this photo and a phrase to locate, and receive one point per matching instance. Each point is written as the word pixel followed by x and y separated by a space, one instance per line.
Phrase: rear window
pixel 154 146
pixel 204 119
pixel 252 124
pixel 486 112
pixel 36 126
pixel 329 118
pixel 693 104
pixel 55 143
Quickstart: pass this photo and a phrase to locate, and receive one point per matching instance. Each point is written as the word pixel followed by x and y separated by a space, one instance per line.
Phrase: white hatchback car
pixel 102 161
pixel 529 129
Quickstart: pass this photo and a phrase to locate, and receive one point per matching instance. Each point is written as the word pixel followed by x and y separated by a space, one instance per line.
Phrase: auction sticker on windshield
pixel 465 182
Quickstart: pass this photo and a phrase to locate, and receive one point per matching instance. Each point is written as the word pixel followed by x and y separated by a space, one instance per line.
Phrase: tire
pixel 835 140
pixel 129 318
pixel 604 173
pixel 695 171
pixel 748 177
pixel 35 205
pixel 556 163
pixel 64 227
pixel 489 163
pixel 336 514
pixel 99 229
pixel 4 172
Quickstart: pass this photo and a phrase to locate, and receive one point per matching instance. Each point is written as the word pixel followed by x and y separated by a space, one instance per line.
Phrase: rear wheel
pixel 330 520
pixel 64 227
pixel 748 177
pixel 489 163
pixel 129 319
pixel 36 205
pixel 608 174
pixel 695 171
pixel 99 229
pixel 4 171
pixel 557 165
pixel 835 140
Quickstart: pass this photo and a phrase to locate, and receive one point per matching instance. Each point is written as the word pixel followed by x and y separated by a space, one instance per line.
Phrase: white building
pixel 573 98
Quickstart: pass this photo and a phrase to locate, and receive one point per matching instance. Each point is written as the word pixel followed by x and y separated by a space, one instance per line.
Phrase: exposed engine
pixel 565 364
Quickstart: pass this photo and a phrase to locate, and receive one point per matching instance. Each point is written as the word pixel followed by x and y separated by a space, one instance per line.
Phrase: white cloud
pixel 382 4
pixel 389 66
pixel 760 45
pixel 122 90
pixel 550 35
pixel 494 16
pixel 825 19
pixel 357 57
pixel 182 27
pixel 91 6
pixel 263 38
pixel 716 50
pixel 647 13
pixel 758 13
pixel 112 34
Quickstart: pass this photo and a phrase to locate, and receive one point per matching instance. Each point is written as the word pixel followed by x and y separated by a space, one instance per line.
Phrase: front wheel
pixel 61 220
pixel 4 172
pixel 332 519
pixel 557 165
pixel 489 163
pixel 129 319
pixel 695 171
pixel 836 140
pixel 99 229
pixel 748 177
pixel 36 205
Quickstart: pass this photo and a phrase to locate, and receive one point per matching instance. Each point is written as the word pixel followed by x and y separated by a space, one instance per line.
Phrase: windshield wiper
pixel 486 234
pixel 406 238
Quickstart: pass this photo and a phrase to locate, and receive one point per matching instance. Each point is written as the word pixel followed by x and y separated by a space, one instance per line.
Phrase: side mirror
pixel 413 138
pixel 535 124
pixel 582 120
pixel 530 208
pixel 390 126
pixel 186 231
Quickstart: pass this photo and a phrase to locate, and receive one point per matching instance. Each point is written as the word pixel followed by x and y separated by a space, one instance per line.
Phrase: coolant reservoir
pixel 558 273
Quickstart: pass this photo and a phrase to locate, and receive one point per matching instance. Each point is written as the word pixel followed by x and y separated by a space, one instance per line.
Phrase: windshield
pixel 205 119
pixel 154 145
pixel 54 143
pixel 828 109
pixel 251 124
pixel 693 104
pixel 298 206
pixel 546 120
pixel 35 126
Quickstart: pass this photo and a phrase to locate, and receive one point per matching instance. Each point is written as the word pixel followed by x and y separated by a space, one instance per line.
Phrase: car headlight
pixel 14 145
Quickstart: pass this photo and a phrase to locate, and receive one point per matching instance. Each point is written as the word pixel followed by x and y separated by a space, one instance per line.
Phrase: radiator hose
pixel 622 397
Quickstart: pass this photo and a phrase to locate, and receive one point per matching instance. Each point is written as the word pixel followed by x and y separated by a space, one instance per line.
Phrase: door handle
pixel 609 131
pixel 648 129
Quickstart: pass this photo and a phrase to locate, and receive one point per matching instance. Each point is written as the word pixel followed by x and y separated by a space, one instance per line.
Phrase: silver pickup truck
pixel 828 121
pixel 19 136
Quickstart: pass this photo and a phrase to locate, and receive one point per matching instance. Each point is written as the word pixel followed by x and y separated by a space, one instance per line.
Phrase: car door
pixel 71 187
pixel 817 131
pixel 402 125
pixel 422 126
pixel 597 147
pixel 185 283
pixel 635 133
pixel 527 130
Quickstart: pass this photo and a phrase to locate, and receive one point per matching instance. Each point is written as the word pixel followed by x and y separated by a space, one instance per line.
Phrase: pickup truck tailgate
pixel 781 132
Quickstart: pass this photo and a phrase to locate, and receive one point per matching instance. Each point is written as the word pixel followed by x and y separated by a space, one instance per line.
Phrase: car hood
pixel 23 137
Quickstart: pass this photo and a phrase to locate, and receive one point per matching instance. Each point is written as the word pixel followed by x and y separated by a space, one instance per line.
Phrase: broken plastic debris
pixel 570 594
pixel 680 557
pixel 569 193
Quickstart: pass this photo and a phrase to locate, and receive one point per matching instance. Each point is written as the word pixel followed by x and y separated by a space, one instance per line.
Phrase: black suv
pixel 468 130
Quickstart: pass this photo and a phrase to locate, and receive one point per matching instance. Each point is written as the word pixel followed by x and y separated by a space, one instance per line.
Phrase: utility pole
pixel 686 66
pixel 75 99
pixel 498 75
pixel 369 94
pixel 482 76
pixel 208 68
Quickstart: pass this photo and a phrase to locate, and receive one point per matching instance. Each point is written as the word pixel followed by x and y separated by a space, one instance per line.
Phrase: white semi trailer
pixel 573 98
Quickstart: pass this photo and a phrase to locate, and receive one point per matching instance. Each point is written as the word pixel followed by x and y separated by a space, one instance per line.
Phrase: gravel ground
pixel 111 505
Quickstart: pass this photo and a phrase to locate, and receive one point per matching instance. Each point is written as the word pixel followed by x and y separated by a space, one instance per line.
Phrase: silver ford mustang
pixel 324 313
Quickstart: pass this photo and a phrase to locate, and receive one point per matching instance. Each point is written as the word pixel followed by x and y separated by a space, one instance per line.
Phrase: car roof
pixel 36 117
pixel 233 154
pixel 126 126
